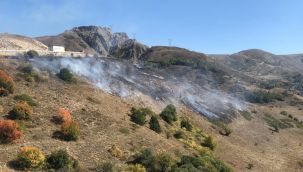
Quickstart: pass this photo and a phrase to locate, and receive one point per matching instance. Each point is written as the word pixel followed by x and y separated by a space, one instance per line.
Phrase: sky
pixel 208 26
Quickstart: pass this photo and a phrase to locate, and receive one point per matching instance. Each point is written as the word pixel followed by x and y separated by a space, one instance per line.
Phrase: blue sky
pixel 209 26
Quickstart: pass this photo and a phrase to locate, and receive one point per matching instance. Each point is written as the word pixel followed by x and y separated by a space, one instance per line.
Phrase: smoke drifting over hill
pixel 125 80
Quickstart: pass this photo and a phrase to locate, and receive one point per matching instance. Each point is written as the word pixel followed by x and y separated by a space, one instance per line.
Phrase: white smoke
pixel 125 79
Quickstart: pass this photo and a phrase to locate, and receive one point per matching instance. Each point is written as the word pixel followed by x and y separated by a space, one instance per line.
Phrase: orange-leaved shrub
pixel 22 111
pixel 6 82
pixel 63 116
pixel 9 131
pixel 30 157
pixel 70 130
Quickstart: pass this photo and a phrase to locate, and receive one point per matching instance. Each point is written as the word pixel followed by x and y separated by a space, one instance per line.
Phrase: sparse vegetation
pixel 30 73
pixel 135 168
pixel 264 97
pixel 275 123
pixel 30 158
pixel 26 98
pixel 105 167
pixel 224 128
pixel 154 124
pixel 70 130
pixel 163 162
pixel 7 84
pixel 9 131
pixel 66 75
pixel 169 114
pixel 124 130
pixel 22 111
pixel 210 142
pixel 179 134
pixel 246 115
pixel 93 100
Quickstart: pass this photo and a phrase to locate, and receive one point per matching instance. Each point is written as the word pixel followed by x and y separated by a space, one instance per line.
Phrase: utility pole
pixel 170 42
pixel 134 36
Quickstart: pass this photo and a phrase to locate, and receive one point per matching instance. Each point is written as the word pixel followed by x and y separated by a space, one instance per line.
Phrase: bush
pixel 154 124
pixel 26 98
pixel 138 115
pixel 146 158
pixel 210 143
pixel 70 130
pixel 61 160
pixel 186 124
pixel 135 168
pixel 105 167
pixel 63 116
pixel 204 162
pixel 163 163
pixel 169 114
pixel 4 92
pixel 246 115
pixel 31 54
pixel 30 73
pixel 179 135
pixel 9 131
pixel 116 152
pixel 66 75
pixel 264 97
pixel 6 83
pixel 22 111
pixel 30 157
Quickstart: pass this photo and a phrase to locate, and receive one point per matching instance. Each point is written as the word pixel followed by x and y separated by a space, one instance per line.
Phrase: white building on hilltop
pixel 57 49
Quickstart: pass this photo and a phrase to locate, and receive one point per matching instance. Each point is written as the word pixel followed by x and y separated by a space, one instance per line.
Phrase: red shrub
pixel 9 131
pixel 63 116
pixel 6 82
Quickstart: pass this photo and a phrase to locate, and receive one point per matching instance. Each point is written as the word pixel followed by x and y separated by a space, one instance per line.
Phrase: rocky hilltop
pixel 92 39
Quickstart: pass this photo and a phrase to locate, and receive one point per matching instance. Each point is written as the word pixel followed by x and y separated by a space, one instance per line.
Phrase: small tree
pixel 154 124
pixel 169 114
pixel 66 75
pixel 31 54
pixel 138 116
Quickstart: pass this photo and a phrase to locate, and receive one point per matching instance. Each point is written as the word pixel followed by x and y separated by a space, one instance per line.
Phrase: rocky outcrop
pixel 91 39
pixel 130 49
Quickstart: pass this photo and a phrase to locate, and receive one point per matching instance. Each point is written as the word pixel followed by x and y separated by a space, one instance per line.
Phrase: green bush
pixel 210 143
pixel 179 134
pixel 204 162
pixel 224 128
pixel 58 159
pixel 163 163
pixel 22 111
pixel 66 75
pixel 264 97
pixel 70 130
pixel 169 114
pixel 138 115
pixel 154 124
pixel 31 54
pixel 186 124
pixel 26 98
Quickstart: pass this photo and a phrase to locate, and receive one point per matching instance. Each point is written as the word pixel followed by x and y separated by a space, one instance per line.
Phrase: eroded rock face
pixel 130 49
pixel 91 39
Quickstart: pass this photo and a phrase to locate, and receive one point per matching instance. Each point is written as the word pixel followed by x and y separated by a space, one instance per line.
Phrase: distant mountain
pixel 18 42
pixel 92 39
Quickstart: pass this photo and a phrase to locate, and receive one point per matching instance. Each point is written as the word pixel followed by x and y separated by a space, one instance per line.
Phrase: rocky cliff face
pixel 91 39
pixel 130 49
